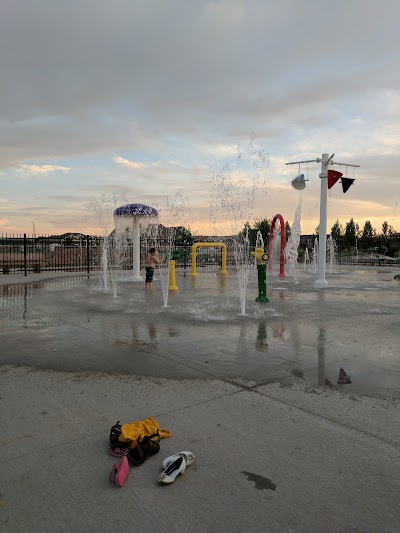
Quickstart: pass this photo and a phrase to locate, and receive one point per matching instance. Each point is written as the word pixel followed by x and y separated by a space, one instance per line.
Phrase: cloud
pixel 129 97
pixel 222 150
pixel 127 164
pixel 42 169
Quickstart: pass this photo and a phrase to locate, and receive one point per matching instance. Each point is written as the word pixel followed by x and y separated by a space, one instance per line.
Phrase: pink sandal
pixel 119 472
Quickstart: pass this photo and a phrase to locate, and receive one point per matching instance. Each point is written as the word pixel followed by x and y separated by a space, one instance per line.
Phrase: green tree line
pixel 264 226
pixel 352 235
pixel 352 232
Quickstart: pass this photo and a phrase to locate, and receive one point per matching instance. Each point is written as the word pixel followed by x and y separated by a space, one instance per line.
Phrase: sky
pixel 194 107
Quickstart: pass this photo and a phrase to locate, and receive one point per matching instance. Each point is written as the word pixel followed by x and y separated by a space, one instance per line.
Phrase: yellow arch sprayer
pixel 208 245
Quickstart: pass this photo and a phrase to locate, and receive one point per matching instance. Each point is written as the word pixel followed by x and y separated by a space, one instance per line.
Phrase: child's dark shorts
pixel 149 274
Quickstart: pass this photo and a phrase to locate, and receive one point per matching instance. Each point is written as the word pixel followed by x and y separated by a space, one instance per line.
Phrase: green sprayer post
pixel 262 283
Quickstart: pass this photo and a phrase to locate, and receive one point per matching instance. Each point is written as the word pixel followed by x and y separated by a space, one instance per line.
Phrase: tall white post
pixel 326 163
pixel 323 218
pixel 136 249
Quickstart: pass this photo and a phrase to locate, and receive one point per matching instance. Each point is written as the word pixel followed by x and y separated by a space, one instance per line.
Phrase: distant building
pixel 307 241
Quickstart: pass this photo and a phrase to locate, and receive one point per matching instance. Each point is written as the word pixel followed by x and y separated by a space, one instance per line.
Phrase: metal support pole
pixel 88 253
pixel 136 250
pixel 25 262
pixel 323 218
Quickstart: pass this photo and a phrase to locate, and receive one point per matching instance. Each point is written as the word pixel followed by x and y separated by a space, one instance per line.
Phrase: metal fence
pixel 26 254
pixel 380 251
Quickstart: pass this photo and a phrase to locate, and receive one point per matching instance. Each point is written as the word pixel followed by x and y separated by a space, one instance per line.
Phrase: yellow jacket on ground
pixel 135 431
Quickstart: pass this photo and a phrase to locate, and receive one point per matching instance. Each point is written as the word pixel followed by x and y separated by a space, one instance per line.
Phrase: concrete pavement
pixel 282 456
pixel 271 458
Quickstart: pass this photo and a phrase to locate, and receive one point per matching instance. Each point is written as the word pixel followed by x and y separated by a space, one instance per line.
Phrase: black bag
pixel 144 449
pixel 115 433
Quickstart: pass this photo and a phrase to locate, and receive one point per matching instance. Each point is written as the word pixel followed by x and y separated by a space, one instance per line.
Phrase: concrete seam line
pixel 323 417
pixel 107 430
pixel 304 410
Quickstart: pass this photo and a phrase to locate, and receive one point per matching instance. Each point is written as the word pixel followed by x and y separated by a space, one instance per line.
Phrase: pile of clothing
pixel 135 442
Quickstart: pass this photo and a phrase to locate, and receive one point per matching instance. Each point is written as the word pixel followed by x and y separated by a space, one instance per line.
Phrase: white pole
pixel 326 163
pixel 136 249
pixel 323 218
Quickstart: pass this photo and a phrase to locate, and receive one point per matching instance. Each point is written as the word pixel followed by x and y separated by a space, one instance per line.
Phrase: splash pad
pixel 302 331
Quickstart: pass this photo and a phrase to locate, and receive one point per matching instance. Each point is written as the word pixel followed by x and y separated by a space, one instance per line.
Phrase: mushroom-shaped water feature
pixel 134 218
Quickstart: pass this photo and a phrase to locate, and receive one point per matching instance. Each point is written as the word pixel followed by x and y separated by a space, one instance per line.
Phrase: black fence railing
pixel 23 254
pixel 380 251
pixel 27 254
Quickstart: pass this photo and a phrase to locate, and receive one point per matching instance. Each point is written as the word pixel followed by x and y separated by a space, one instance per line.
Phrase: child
pixel 152 261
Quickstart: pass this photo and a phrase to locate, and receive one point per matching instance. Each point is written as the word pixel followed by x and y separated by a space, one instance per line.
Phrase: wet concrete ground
pixel 71 324
pixel 273 452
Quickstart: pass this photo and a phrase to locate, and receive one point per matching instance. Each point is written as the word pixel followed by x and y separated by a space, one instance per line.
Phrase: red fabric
pixel 333 177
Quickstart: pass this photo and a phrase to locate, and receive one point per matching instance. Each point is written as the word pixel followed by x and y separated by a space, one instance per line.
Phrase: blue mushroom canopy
pixel 136 210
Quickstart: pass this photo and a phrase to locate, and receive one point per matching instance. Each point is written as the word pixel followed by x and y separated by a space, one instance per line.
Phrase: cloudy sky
pixel 104 103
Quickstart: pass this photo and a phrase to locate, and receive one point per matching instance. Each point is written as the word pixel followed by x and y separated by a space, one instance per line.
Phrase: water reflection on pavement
pixel 303 333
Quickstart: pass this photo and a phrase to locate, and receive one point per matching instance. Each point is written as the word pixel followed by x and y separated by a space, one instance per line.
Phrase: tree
pixel 387 230
pixel 263 225
pixel 351 232
pixel 337 231
pixel 247 231
pixel 368 233
pixel 183 236
pixel 288 229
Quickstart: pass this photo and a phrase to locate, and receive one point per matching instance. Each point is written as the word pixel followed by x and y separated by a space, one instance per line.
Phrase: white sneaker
pixel 189 456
